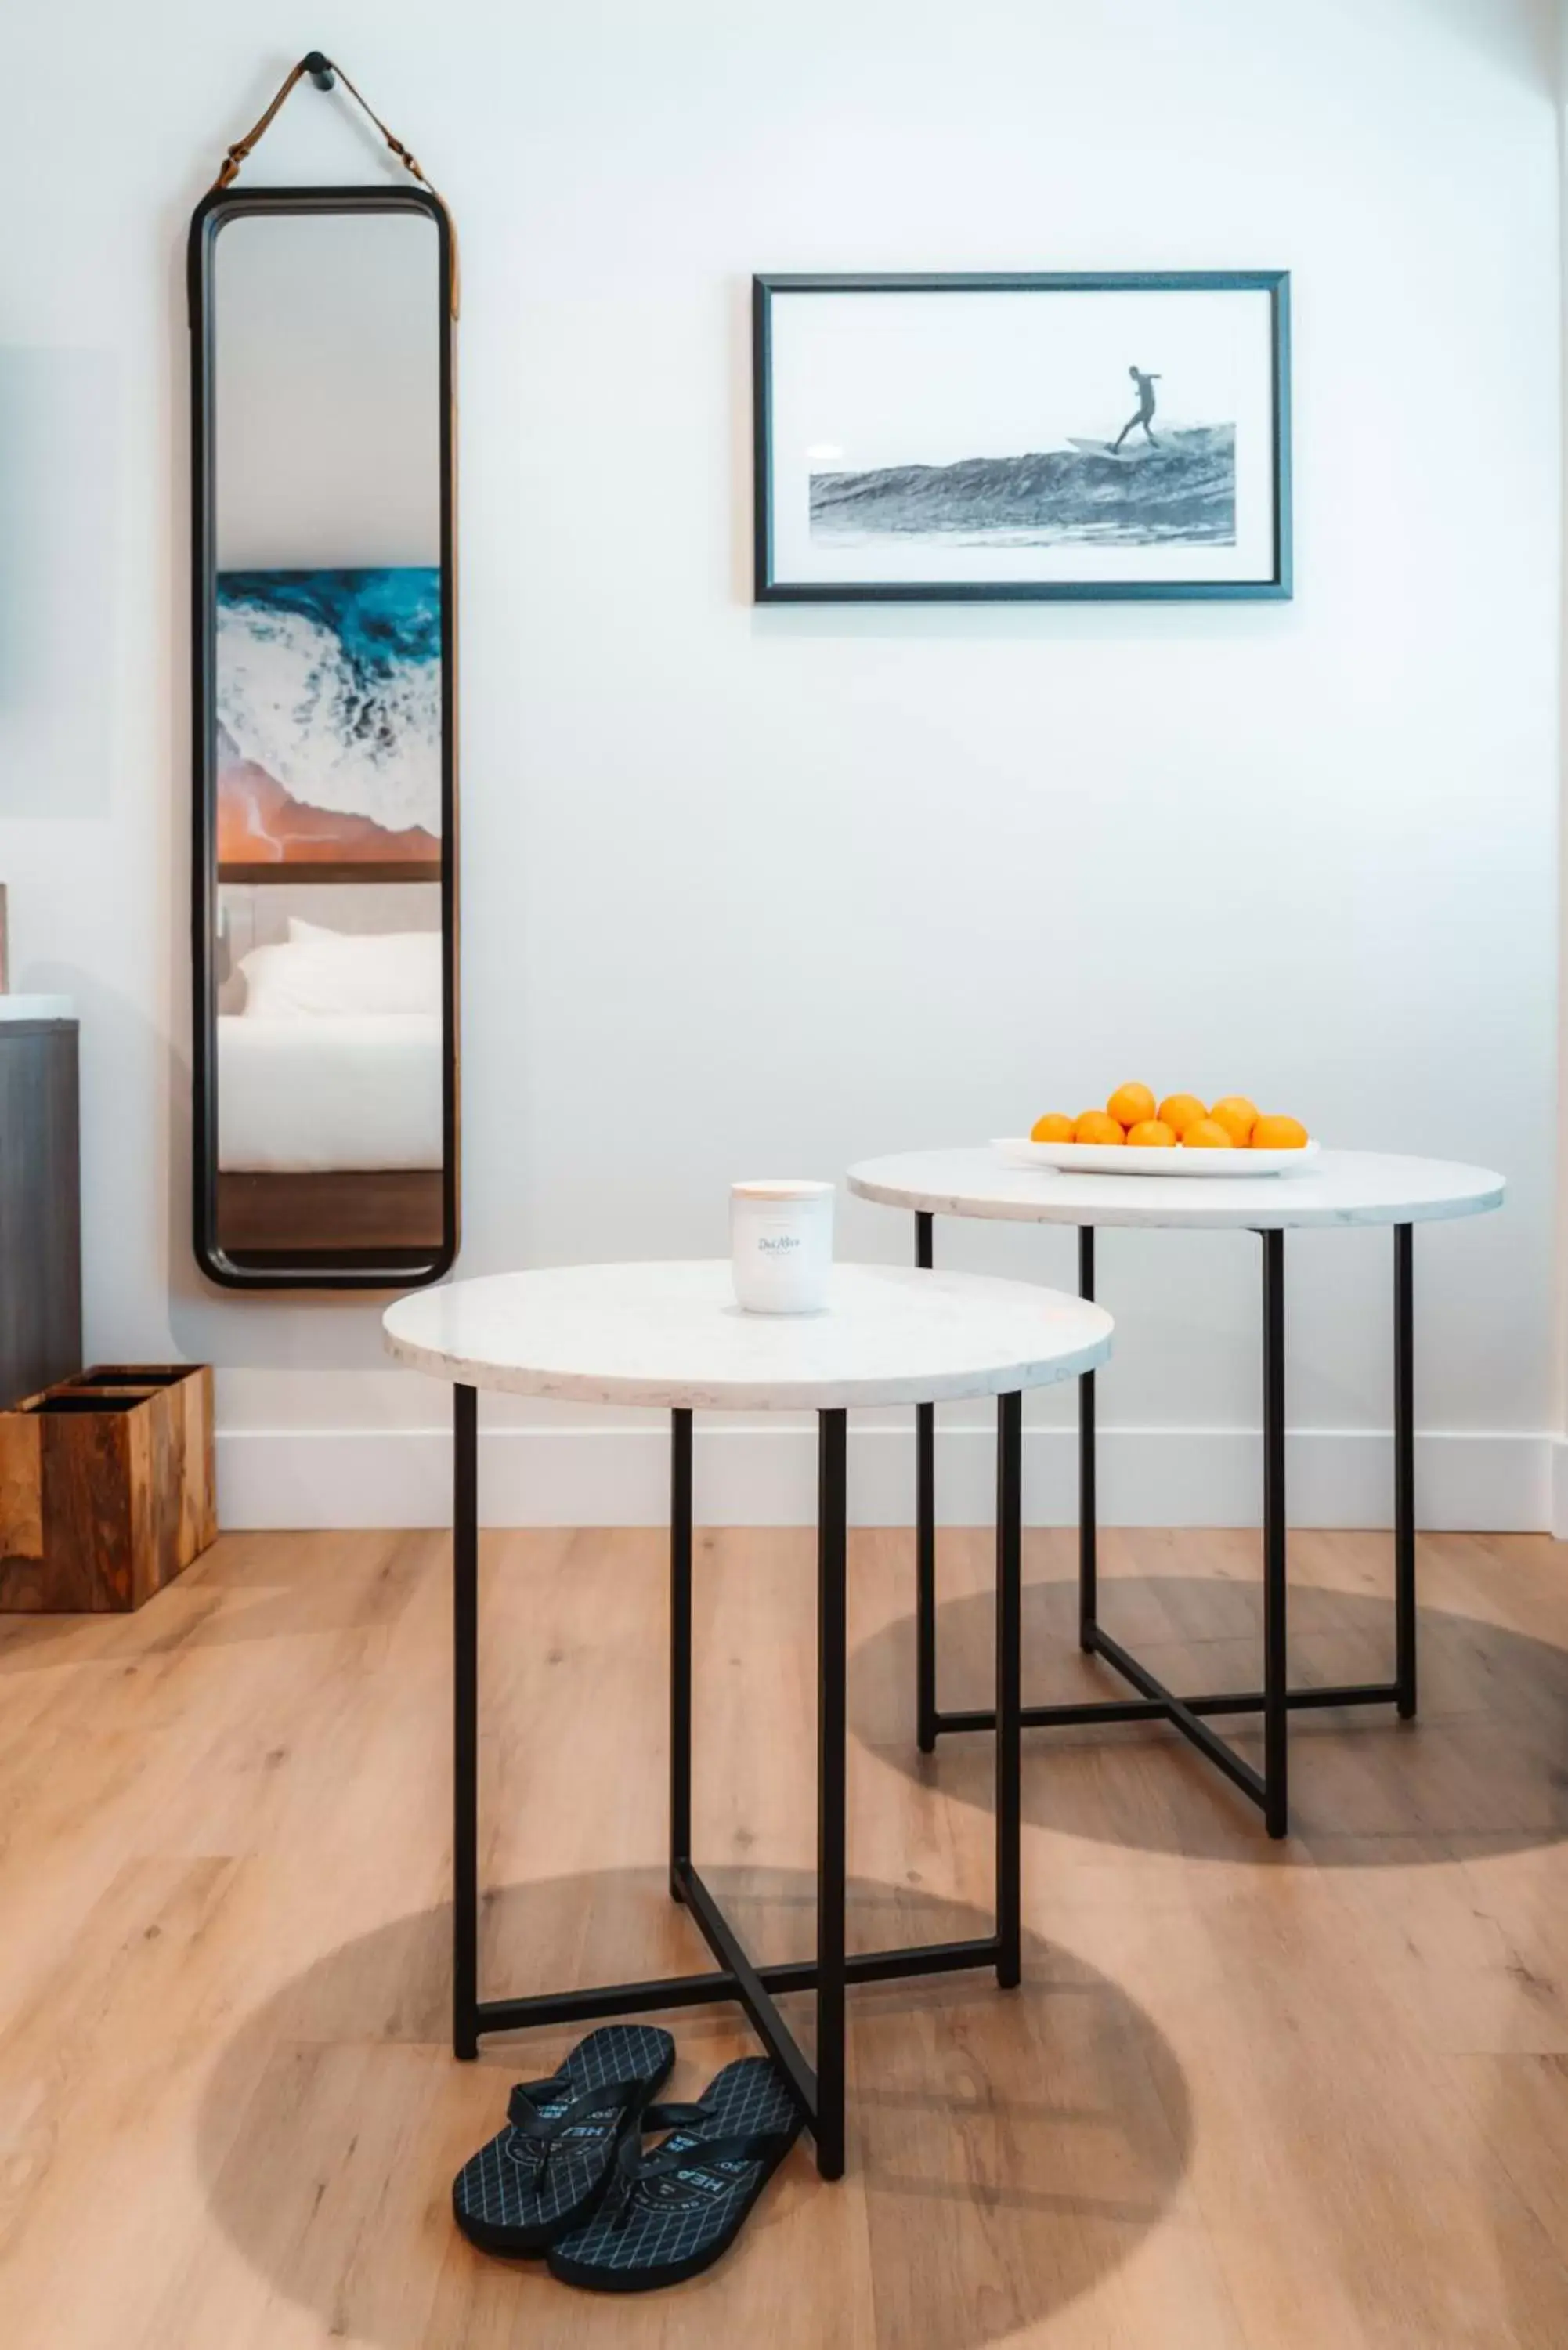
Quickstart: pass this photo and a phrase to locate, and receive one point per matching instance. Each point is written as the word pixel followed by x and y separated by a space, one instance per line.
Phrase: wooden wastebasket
pixel 107 1489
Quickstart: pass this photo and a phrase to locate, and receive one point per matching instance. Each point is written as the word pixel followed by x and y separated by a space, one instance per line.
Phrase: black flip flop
pixel 546 2171
pixel 672 2213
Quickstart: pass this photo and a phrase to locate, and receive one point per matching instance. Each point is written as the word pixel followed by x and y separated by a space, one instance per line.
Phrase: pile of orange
pixel 1131 1116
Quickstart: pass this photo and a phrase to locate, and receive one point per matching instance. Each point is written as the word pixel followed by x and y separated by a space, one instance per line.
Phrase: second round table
pixel 1338 1189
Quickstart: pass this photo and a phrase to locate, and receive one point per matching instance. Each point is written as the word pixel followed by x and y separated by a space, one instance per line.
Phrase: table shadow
pixel 1484 1769
pixel 1007 2150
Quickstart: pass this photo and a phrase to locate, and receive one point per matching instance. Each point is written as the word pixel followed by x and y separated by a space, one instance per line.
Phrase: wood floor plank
pixel 1248 2098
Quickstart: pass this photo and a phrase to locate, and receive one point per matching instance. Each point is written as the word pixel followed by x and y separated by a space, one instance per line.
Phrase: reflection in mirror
pixel 327 1081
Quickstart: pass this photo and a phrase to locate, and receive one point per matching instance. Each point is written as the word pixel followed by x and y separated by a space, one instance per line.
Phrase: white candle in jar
pixel 781 1245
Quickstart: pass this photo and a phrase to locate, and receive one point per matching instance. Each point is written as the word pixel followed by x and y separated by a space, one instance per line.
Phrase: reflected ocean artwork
pixel 329 715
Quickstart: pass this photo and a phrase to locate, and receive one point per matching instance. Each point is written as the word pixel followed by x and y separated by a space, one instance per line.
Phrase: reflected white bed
pixel 346 1092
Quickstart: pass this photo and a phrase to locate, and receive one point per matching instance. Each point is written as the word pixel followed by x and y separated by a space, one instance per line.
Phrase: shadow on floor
pixel 1007 2150
pixel 1483 1770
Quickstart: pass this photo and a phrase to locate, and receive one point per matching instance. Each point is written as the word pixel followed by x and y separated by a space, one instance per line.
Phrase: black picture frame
pixel 766 291
pixel 337 1269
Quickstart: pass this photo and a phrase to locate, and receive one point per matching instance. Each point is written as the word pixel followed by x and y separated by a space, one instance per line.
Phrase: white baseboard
pixel 1558 1476
pixel 749 1475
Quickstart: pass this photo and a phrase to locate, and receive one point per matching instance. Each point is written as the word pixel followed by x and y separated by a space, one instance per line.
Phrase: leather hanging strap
pixel 321 68
pixel 242 147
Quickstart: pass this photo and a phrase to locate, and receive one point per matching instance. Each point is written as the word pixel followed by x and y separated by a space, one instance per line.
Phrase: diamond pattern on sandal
pixel 669 2214
pixel 546 2170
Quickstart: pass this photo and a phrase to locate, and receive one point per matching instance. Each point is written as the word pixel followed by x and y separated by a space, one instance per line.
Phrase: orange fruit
pixel 1238 1107
pixel 1052 1127
pixel 1278 1134
pixel 1235 1120
pixel 1178 1110
pixel 1097 1126
pixel 1130 1104
pixel 1150 1134
pixel 1208 1134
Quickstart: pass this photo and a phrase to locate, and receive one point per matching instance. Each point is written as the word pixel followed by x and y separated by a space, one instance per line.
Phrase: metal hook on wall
pixel 325 76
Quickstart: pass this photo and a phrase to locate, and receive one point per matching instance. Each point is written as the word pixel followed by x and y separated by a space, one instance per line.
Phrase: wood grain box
pixel 107 1488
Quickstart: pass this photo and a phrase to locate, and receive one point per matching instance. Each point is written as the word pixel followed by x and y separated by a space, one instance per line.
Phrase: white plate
pixel 1121 1159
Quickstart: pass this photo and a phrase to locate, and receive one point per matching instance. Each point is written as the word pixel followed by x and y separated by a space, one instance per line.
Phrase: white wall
pixel 749 890
pixel 1559 1499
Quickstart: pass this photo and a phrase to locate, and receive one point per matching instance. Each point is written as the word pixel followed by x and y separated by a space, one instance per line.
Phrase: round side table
pixel 1337 1189
pixel 670 1335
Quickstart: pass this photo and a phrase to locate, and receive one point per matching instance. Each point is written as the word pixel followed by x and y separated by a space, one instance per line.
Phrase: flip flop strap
pixel 545 2130
pixel 672 2116
pixel 737 2146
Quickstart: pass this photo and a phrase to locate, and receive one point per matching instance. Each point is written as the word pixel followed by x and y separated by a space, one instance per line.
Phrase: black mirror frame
pixel 348 1269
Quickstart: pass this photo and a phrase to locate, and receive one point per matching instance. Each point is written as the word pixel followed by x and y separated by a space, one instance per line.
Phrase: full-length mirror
pixel 326 1037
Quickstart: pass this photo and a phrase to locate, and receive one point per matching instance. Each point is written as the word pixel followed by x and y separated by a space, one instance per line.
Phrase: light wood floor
pixel 1248 2096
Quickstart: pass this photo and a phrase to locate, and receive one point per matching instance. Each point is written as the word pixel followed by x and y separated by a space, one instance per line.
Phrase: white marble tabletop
pixel 671 1334
pixel 1337 1187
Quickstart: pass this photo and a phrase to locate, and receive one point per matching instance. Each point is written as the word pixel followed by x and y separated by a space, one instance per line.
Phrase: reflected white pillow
pixel 319 973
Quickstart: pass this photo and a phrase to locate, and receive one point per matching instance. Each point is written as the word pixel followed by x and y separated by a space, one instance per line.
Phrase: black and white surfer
pixel 1145 416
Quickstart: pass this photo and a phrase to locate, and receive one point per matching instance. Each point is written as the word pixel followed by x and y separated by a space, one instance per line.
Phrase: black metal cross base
pixel 818 2092
pixel 1276 1701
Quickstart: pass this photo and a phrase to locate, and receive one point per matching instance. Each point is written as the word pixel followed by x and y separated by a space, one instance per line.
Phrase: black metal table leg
pixel 680 1649
pixel 1009 1688
pixel 1276 1679
pixel 1276 1699
pixel 1088 1596
pixel 925 1541
pixel 1404 1472
pixel 756 1986
pixel 465 1724
pixel 832 1637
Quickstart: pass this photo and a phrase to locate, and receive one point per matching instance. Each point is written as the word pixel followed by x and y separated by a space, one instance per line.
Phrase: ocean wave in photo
pixel 1179 493
pixel 330 683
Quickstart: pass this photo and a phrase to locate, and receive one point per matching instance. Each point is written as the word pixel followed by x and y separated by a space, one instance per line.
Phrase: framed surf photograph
pixel 980 438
